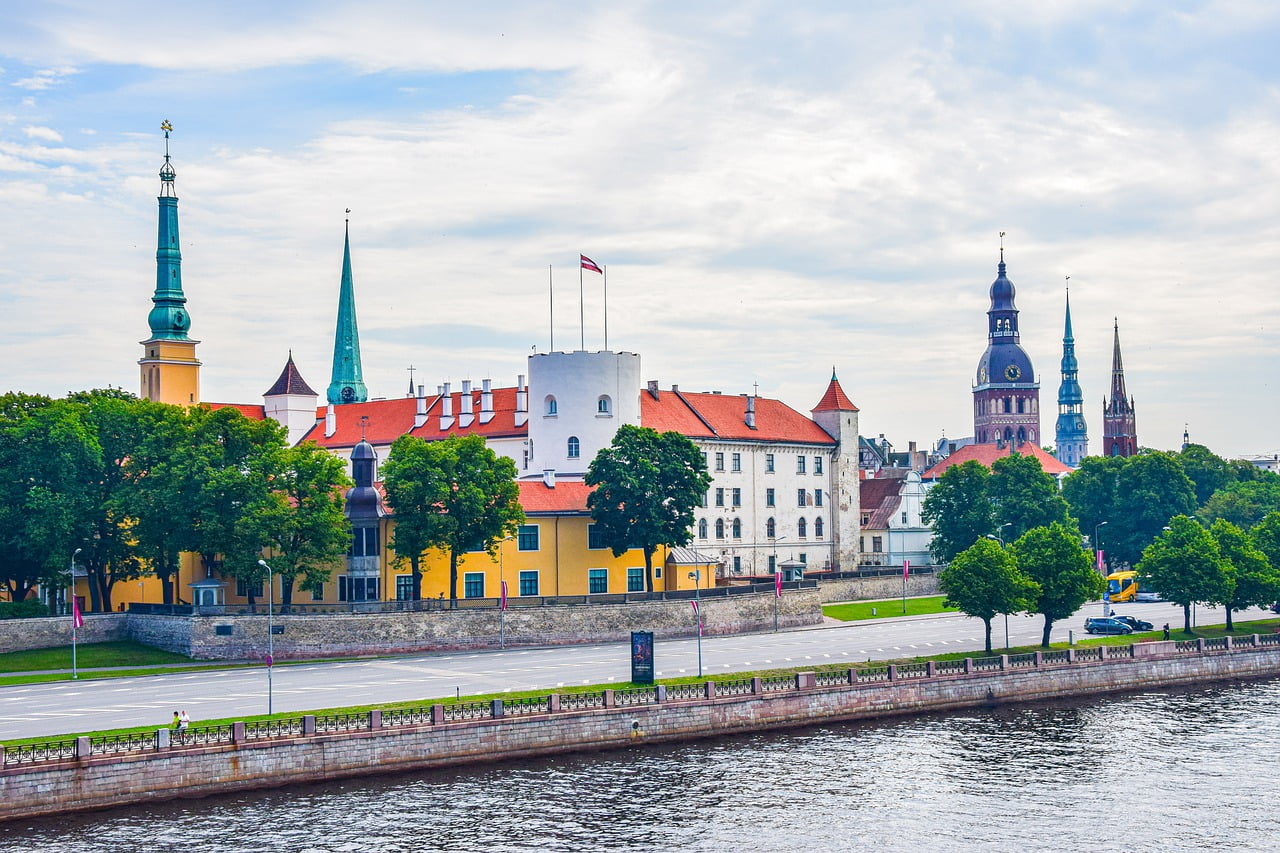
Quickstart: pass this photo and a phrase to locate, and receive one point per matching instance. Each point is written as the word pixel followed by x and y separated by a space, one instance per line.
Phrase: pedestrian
pixel 1166 630
pixel 183 721
pixel 176 721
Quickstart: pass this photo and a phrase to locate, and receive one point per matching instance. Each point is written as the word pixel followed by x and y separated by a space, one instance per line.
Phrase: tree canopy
pixel 1024 496
pixel 959 510
pixel 1243 503
pixel 1254 581
pixel 984 580
pixel 1183 564
pixel 1151 488
pixel 646 485
pixel 1062 571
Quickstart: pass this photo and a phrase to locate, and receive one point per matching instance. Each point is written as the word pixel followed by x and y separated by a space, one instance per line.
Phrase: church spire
pixel 168 319
pixel 1119 424
pixel 347 381
pixel 1071 442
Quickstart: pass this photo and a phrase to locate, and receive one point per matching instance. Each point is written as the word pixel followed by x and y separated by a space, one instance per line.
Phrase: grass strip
pixel 854 611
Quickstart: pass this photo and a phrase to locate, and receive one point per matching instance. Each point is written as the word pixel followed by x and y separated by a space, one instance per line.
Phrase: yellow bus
pixel 1121 586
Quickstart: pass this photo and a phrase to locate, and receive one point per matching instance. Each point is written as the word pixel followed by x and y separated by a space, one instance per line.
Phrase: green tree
pixel 645 486
pixel 1207 471
pixel 958 509
pixel 1024 496
pixel 304 518
pixel 983 580
pixel 1243 504
pixel 1151 488
pixel 1266 538
pixel 1254 582
pixel 154 496
pixel 1184 566
pixel 456 495
pixel 1062 571
pixel 1090 492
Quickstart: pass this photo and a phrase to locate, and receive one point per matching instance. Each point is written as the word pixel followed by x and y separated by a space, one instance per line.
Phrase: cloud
pixel 47 134
pixel 45 78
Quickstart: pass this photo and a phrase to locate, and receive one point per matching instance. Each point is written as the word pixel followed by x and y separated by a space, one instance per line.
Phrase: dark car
pixel 1135 624
pixel 1095 625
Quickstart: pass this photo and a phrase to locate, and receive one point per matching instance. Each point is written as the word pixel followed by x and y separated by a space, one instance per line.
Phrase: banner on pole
pixel 906 569
pixel 777 584
pixel 504 595
pixel 77 618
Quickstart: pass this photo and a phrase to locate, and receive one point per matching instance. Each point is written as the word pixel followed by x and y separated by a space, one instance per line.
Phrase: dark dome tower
pixel 1006 397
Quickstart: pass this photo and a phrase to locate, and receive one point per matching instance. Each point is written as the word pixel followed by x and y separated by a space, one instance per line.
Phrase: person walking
pixel 1166 630
pixel 176 721
pixel 183 721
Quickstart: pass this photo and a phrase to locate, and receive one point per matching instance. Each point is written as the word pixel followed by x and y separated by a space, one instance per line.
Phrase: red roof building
pixel 987 454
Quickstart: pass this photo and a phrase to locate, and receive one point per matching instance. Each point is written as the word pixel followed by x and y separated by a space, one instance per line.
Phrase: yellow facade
pixel 170 372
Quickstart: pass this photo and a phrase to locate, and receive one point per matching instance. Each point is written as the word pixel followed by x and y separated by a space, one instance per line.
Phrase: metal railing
pixel 873 674
pixel 948 667
pixel 734 687
pixel 677 692
pixel 635 696
pixel 527 706
pixel 1058 656
pixel 131 742
pixel 913 670
pixel 460 711
pixel 778 683
pixel 202 735
pixel 258 730
pixel 1023 660
pixel 34 753
pixel 832 678
pixel 407 717
pixel 985 665
pixel 329 723
pixel 581 701
pixel 1094 653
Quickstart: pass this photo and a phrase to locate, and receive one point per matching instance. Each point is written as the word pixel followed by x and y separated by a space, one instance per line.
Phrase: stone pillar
pixel 237 732
pixel 968 665
pixel 553 703
pixel 709 690
pixel 1200 644
pixel 375 720
pixel 1039 658
pixel 608 699
pixel 930 669
pixel 309 724
pixel 437 715
pixel 1071 655
pixel 660 693
pixel 1230 645
pixel 893 672
pixel 806 681
pixel 83 748
pixel 757 686
pixel 162 738
pixel 496 708
pixel 1004 662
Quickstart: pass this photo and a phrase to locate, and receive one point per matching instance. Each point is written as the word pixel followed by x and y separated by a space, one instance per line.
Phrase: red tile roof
pixel 987 454
pixel 290 382
pixel 835 399
pixel 389 419
pixel 569 496
pixel 699 415
pixel 252 412
pixel 872 492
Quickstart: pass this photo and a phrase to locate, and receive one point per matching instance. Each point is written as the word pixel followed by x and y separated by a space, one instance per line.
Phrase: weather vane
pixel 364 423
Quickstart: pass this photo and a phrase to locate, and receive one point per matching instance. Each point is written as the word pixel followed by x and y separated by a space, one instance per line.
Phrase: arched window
pixel 702 528
pixel 604 406
pixel 770 529
pixel 719 528
pixel 550 407
pixel 1008 434
pixel 817 527
pixel 574 447
pixel 1022 405
pixel 1022 434
pixel 802 528
pixel 737 528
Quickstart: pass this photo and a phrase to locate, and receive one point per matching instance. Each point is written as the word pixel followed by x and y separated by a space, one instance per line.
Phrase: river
pixel 1191 769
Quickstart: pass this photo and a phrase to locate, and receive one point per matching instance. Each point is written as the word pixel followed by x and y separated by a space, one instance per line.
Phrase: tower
pixel 291 402
pixel 1071 438
pixel 1119 426
pixel 347 381
pixel 169 367
pixel 838 417
pixel 1006 397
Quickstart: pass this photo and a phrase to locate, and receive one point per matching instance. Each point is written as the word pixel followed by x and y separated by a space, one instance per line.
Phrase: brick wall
pixel 21 634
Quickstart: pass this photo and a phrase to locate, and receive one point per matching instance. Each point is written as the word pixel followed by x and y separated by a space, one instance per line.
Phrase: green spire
pixel 168 318
pixel 347 382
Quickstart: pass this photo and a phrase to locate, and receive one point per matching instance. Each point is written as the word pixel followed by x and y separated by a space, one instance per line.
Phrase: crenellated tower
pixel 1071 439
pixel 169 367
pixel 346 383
pixel 1006 397
pixel 1119 425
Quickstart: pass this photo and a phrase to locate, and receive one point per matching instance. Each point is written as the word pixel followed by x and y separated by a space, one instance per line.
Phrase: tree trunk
pixel 453 577
pixel 986 623
pixel 416 569
pixel 91 581
pixel 286 593
pixel 648 569
pixel 1048 626
pixel 1186 618
pixel 1230 625
pixel 166 585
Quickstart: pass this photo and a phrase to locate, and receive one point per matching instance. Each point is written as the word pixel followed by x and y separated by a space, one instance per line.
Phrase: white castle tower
pixel 577 401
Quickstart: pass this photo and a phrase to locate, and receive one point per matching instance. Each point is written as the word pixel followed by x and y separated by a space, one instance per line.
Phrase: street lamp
pixel 75 614
pixel 696 574
pixel 1097 533
pixel 777 581
pixel 996 537
pixel 270 633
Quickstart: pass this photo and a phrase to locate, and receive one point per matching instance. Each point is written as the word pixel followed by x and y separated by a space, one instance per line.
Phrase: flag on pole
pixel 504 595
pixel 588 264
pixel 77 618
pixel 906 569
pixel 1101 559
pixel 777 584
pixel 695 606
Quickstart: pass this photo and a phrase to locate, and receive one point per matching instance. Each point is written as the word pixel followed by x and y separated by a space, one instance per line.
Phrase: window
pixel 736 496
pixel 817 497
pixel 802 528
pixel 657 572
pixel 473 585
pixel 364 542
pixel 357 589
pixel 719 497
pixel 817 464
pixel 877 544
pixel 768 463
pixel 737 528
pixel 904 518
pixel 550 406
pixel 719 528
pixel 737 565
pixel 817 527
pixel 527 537
pixel 702 528
pixel 317 592
pixel 404 587
pixel 604 406
pixel 595 537
pixel 574 447
pixel 773 564
pixel 804 558
pixel 719 461
pixel 770 528
pixel 735 462
pixel 635 580
pixel 704 498
pixel 245 589
pixel 800 469
pixel 597 581
pixel 800 497
pixel 529 583
pixel 866 519
pixel 768 497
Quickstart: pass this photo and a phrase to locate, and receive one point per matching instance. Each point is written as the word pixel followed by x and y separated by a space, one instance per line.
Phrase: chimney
pixel 751 412
pixel 911 447
pixel 486 400
pixel 653 388
pixel 446 402
pixel 420 416
pixel 330 422
pixel 549 477
pixel 465 404
pixel 522 401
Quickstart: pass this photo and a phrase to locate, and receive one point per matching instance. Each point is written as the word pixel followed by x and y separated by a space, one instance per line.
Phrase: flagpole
pixel 551 300
pixel 75 616
pixel 582 315
pixel 604 270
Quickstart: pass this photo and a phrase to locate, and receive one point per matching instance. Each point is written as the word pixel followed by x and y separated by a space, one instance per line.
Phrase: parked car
pixel 1148 596
pixel 1275 608
pixel 1098 625
pixel 1135 624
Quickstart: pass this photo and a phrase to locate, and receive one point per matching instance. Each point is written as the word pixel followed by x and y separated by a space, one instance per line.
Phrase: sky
pixel 776 189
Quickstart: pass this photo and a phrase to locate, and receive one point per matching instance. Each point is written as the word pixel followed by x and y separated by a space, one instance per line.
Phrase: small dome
pixel 1002 291
pixel 363 451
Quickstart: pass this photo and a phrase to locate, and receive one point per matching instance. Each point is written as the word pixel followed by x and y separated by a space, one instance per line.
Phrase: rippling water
pixel 1162 771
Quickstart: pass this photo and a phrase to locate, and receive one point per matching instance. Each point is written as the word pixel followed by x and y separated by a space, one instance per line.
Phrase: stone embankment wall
pixel 889 586
pixel 21 634
pixel 70 776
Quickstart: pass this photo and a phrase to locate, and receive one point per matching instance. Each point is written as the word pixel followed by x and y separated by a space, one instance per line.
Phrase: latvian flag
pixel 588 264
pixel 694 603
pixel 77 618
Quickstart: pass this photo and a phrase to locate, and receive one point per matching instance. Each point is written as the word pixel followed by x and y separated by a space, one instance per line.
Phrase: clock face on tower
pixel 180 319
pixel 1012 373
pixel 982 375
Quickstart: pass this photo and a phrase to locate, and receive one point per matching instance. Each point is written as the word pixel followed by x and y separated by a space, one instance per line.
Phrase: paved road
pixel 51 709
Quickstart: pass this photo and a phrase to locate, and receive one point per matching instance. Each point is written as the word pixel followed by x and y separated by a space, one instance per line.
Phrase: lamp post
pixel 1106 596
pixel 696 574
pixel 75 613
pixel 996 537
pixel 777 582
pixel 270 633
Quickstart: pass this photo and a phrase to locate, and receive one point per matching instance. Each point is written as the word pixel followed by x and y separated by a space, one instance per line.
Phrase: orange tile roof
pixel 987 454
pixel 569 496
pixel 835 399
pixel 389 419
pixel 700 415
pixel 250 411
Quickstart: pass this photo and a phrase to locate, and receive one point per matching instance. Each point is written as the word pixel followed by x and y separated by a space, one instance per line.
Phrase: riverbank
pixel 93 773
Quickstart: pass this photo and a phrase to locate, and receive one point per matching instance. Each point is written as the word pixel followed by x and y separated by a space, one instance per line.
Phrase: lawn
pixel 857 610
pixel 88 656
